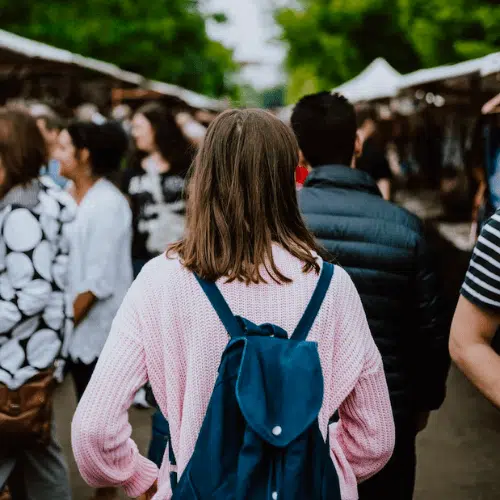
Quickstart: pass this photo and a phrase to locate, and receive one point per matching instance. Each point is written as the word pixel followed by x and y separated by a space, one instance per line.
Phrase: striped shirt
pixel 482 281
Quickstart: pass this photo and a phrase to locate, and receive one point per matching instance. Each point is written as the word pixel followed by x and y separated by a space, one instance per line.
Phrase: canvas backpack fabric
pixel 260 438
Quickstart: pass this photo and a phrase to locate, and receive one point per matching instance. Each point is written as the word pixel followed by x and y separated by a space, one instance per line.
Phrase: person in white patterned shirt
pixel 35 307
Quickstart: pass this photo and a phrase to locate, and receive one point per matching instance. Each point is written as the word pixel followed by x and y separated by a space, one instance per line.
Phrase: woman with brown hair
pixel 244 233
pixel 154 181
pixel 35 318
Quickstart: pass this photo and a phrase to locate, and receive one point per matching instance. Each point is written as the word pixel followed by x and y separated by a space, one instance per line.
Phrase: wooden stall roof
pixel 457 76
pixel 193 99
pixel 22 54
pixel 17 52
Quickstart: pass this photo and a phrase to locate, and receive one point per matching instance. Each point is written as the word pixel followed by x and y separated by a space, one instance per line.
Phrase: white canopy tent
pixel 379 80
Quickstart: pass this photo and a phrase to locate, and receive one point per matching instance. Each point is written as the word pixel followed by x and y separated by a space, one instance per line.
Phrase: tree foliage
pixel 160 39
pixel 331 41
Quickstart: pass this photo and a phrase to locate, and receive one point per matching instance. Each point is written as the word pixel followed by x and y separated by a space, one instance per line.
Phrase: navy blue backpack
pixel 260 439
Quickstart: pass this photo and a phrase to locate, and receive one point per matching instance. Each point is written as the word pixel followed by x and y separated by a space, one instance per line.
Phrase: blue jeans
pixel 159 438
pixel 38 473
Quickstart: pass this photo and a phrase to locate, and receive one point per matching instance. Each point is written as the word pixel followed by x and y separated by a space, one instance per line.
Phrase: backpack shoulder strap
pixel 307 320
pixel 221 307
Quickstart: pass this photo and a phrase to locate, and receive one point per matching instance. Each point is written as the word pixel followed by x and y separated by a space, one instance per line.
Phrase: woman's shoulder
pixel 160 281
pixel 106 196
pixel 163 271
pixel 342 286
pixel 341 276
pixel 170 264
pixel 52 209
pixel 341 294
pixel 54 202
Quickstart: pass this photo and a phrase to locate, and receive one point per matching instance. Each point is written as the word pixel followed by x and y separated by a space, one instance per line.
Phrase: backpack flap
pixel 279 387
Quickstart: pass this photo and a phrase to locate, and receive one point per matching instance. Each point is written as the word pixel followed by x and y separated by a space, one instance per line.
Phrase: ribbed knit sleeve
pixel 166 331
pixel 103 449
pixel 362 441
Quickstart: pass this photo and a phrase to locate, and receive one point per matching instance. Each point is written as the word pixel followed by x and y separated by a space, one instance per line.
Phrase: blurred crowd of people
pixel 108 196
pixel 98 198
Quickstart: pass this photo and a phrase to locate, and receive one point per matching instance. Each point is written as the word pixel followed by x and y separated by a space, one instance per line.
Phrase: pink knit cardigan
pixel 167 332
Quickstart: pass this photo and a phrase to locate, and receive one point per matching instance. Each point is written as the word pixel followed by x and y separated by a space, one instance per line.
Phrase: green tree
pixel 331 41
pixel 445 32
pixel 273 97
pixel 248 97
pixel 160 39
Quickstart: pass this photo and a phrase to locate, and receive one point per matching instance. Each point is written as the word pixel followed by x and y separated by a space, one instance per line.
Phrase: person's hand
pixel 422 420
pixel 150 493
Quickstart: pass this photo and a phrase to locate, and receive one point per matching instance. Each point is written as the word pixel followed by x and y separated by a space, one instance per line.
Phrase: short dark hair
pixel 325 126
pixel 22 148
pixel 106 143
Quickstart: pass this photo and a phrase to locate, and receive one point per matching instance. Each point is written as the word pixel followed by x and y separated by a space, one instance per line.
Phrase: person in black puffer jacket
pixel 383 248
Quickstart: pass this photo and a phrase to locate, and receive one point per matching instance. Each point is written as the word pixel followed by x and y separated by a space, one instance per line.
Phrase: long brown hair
pixel 23 151
pixel 242 199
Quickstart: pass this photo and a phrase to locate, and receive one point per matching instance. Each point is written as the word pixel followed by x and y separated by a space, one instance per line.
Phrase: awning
pixel 379 80
pixel 16 50
pixel 453 74
pixel 19 52
pixel 189 97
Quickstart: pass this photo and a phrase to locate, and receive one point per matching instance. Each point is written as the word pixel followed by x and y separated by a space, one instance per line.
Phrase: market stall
pixel 378 81
pixel 32 70
pixel 446 103
pixel 173 96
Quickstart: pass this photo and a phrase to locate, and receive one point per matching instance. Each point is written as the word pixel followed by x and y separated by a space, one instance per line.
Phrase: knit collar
pixel 340 176
pixel 23 195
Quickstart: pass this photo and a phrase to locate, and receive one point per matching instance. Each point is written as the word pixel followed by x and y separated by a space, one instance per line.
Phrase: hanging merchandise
pixel 453 157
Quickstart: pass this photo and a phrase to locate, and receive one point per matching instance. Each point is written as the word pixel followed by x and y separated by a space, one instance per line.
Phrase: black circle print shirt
pixel 158 208
pixel 35 307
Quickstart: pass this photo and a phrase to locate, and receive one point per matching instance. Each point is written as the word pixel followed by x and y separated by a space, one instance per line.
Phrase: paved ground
pixel 459 453
pixel 65 407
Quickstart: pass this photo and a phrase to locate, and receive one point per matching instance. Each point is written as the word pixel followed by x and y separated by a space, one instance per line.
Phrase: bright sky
pixel 250 31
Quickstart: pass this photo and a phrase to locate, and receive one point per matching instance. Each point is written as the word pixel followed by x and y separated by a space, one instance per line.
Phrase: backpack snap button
pixel 277 430
pixel 274 496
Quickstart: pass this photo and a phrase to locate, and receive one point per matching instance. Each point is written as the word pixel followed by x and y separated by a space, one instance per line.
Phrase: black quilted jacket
pixel 383 249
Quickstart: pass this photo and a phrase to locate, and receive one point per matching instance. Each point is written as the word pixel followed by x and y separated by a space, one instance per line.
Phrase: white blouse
pixel 101 263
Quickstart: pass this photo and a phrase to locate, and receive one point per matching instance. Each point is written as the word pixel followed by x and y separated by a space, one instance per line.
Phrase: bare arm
pixel 82 305
pixel 385 188
pixel 472 331
pixel 101 245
